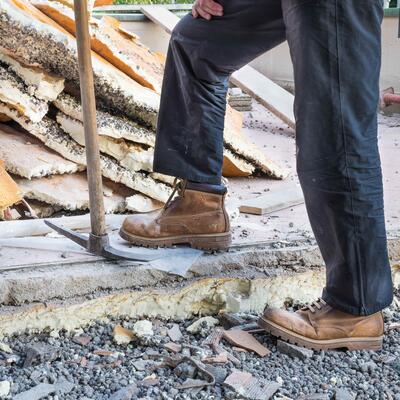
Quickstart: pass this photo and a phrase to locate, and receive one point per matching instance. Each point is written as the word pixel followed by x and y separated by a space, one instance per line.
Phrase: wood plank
pixel 273 201
pixel 37 227
pixel 276 99
pixel 273 97
pixel 161 16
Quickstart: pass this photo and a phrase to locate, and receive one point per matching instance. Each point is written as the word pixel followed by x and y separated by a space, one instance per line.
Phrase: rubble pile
pixel 204 358
pixel 41 118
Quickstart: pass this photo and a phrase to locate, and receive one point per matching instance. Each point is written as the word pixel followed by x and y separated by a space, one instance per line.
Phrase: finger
pixel 213 5
pixel 194 12
pixel 203 14
pixel 212 11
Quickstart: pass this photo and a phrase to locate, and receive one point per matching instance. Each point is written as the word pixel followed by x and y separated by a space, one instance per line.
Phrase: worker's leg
pixel 201 56
pixel 336 52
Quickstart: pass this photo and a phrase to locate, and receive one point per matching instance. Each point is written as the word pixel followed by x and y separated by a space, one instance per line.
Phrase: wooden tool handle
pixel 96 202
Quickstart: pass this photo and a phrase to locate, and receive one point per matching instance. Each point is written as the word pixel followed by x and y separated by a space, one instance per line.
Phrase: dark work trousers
pixel 335 49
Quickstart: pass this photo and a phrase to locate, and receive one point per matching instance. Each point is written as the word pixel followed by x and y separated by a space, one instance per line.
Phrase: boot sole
pixel 220 241
pixel 356 343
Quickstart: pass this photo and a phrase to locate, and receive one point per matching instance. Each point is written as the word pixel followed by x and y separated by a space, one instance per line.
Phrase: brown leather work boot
pixel 320 327
pixel 193 217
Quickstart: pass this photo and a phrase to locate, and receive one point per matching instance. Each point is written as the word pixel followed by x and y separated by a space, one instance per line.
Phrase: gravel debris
pixel 145 368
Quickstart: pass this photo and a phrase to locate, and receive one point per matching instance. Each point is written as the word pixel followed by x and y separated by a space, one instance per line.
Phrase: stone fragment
pixel 229 320
pixel 316 396
pixel 5 387
pixel 344 394
pixel 192 383
pixel 150 380
pixel 175 333
pixel 39 83
pixel 143 365
pixel 174 347
pixel 244 339
pixel 126 393
pixel 218 359
pixel 83 340
pixel 122 335
pixel 143 328
pixel 5 348
pixel 39 353
pixel 45 389
pixel 104 353
pixel 204 322
pixel 293 350
pixel 219 373
pixel 249 387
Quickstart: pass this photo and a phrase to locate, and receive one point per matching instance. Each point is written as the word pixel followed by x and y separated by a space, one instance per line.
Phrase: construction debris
pixel 10 193
pixel 205 322
pixel 238 100
pixel 39 91
pixel 122 335
pixel 293 350
pixel 28 157
pixel 5 387
pixel 245 340
pixel 249 387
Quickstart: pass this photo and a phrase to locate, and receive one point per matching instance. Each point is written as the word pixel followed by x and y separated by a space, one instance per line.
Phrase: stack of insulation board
pixel 41 129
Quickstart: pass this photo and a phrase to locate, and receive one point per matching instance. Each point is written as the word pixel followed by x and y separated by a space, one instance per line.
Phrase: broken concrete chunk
pixel 4 347
pixel 14 92
pixel 192 383
pixel 245 340
pixel 71 192
pixel 143 365
pixel 344 394
pixel 83 340
pixel 117 127
pixel 139 203
pixel 293 350
pixel 122 335
pixel 174 347
pixel 249 387
pixel 26 156
pixel 143 328
pixel 39 353
pixel 5 387
pixel 229 320
pixel 236 141
pixel 175 333
pixel 129 56
pixel 234 165
pixel 21 24
pixel 205 322
pixel 133 157
pixel 52 135
pixel 39 83
pixel 126 393
pixel 45 389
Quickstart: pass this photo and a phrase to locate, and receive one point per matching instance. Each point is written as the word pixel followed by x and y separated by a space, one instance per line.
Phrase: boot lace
pixel 315 305
pixel 179 188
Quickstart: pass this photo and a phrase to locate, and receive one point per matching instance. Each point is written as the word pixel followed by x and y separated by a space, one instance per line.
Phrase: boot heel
pixel 220 242
pixel 375 344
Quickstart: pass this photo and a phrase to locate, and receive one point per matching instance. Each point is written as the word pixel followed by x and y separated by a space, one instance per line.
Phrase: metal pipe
pixel 96 202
